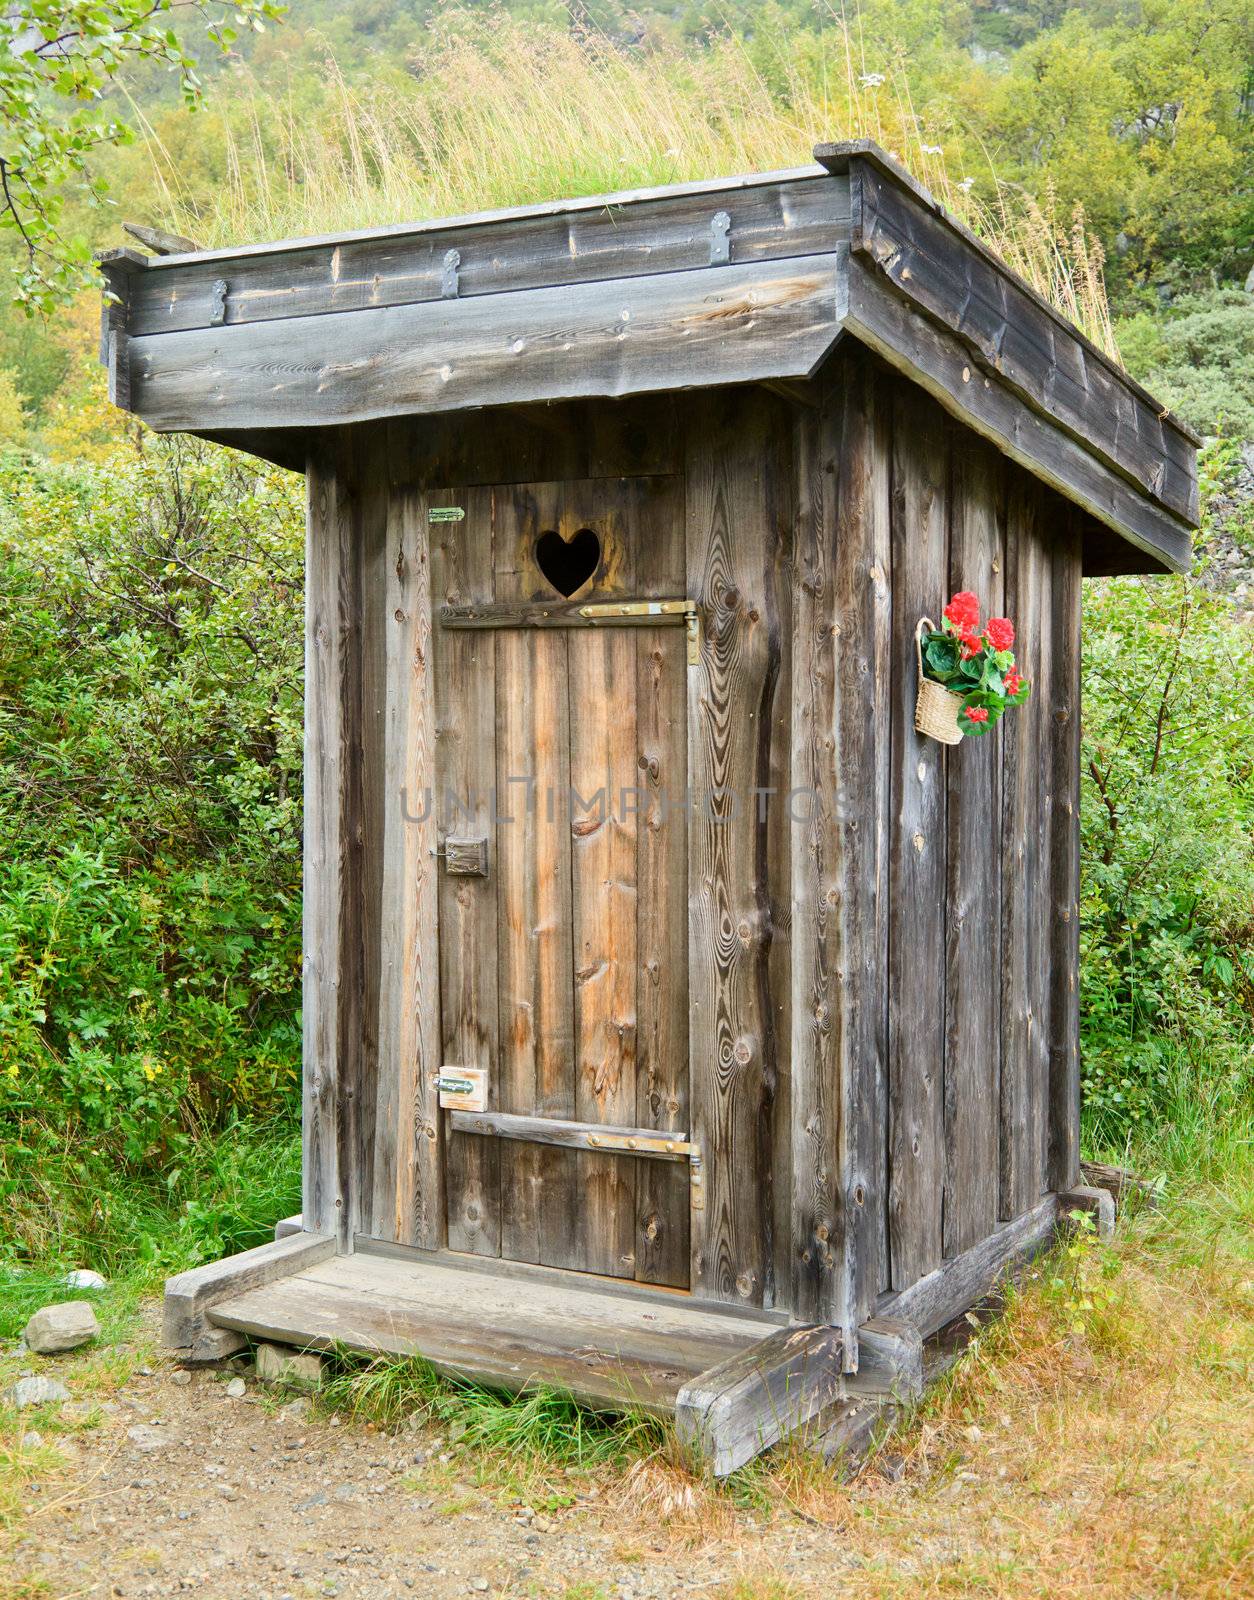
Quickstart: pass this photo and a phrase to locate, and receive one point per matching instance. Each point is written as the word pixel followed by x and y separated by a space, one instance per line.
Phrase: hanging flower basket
pixel 935 708
pixel 967 673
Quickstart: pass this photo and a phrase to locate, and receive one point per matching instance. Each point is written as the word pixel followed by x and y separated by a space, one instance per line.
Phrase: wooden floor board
pixel 507 1332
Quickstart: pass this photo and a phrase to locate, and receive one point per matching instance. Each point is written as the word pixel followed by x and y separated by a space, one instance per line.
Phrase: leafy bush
pixel 150 743
pixel 1198 358
pixel 1167 932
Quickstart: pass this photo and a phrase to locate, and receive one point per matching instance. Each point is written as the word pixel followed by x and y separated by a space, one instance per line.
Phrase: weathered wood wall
pixel 959 1083
pixel 881 1022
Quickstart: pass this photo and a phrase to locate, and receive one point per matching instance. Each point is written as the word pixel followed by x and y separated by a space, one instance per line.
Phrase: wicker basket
pixel 935 708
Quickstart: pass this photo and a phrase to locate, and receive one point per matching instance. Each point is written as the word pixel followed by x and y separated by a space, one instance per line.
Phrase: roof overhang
pixel 691 286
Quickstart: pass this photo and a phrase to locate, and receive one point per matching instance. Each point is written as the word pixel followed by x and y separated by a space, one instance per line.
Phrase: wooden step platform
pixel 501 1326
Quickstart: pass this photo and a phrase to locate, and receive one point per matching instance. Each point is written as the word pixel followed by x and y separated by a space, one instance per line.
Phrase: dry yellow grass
pixel 498 111
pixel 1093 1445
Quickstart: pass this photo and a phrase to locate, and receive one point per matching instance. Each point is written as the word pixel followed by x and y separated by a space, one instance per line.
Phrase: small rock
pixel 150 1436
pixel 892 1467
pixel 61 1327
pixel 84 1278
pixel 278 1364
pixel 311 1502
pixel 35 1392
pixel 294 1410
pixel 973 1433
pixel 143 1372
pixel 216 1344
pixel 228 1491
pixel 236 1389
pixel 181 1378
pixel 479 1585
pixel 32 1440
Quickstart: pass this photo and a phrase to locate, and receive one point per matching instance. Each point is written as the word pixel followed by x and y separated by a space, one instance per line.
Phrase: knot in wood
pixel 743 1052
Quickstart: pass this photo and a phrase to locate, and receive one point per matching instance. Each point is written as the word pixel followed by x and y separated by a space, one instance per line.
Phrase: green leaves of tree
pixel 59 62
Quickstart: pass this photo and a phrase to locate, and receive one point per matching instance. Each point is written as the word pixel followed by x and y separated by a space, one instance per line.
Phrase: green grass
pixel 68 1205
pixel 541 1425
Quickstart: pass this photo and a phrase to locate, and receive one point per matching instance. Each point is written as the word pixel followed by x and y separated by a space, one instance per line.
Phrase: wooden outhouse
pixel 678 1023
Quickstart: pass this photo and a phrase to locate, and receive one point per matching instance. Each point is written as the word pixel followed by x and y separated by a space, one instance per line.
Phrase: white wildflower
pixel 871 80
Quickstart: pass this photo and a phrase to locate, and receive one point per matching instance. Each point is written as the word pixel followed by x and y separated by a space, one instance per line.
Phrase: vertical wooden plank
pixel 367 852
pixel 973 987
pixel 1024 1064
pixel 662 1189
pixel 1049 516
pixel 1064 1004
pixel 819 1291
pixel 327 546
pixel 862 620
pixel 602 694
pixel 733 455
pixel 539 1196
pixel 462 574
pixel 916 995
pixel 408 1201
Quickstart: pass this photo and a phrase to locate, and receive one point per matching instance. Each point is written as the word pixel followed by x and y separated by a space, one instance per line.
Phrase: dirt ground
pixel 1060 1460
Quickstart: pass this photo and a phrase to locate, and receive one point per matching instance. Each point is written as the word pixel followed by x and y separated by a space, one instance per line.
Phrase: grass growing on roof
pixel 499 111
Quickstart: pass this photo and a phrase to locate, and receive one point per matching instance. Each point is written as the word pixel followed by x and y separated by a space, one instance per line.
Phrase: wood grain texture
pixel 603 741
pixel 409 1199
pixel 819 1291
pixel 189 1296
pixel 326 550
pixel 500 1323
pixel 859 610
pixel 917 883
pixel 733 526
pixel 1063 1168
pixel 464 782
pixel 956 1285
pixel 1023 344
pixel 732 324
pixel 759 1396
pixel 570 1135
pixel 661 781
pixel 1025 787
pixel 936 360
pixel 973 977
pixel 797 216
pixel 538 1193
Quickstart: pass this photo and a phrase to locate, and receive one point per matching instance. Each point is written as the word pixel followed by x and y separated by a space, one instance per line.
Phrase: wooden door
pixel 562 770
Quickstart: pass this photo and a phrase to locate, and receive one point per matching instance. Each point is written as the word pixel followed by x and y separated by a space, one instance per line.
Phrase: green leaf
pixel 941 657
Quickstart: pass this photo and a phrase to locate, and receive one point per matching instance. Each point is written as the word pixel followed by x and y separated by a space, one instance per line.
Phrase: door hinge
pixel 609 610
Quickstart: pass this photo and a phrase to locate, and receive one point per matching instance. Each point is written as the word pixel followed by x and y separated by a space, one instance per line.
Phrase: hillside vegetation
pixel 150 658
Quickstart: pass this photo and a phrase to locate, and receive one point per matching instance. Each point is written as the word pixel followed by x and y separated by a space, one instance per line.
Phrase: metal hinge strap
pixel 608 610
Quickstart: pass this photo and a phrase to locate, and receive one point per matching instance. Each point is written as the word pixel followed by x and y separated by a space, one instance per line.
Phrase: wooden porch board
pixel 607 1350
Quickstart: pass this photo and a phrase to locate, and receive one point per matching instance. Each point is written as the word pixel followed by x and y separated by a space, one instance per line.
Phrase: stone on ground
pixel 35 1392
pixel 83 1278
pixel 216 1344
pixel 278 1364
pixel 61 1327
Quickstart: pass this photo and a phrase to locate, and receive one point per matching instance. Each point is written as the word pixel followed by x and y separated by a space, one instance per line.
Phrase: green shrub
pixel 150 741
pixel 1167 930
pixel 1198 358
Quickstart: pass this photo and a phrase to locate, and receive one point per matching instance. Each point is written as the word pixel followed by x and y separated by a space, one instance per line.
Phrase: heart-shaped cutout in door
pixel 568 563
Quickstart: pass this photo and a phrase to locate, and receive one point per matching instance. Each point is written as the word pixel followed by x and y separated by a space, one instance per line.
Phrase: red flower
pixel 972 643
pixel 977 713
pixel 963 610
pixel 1001 632
pixel 1012 681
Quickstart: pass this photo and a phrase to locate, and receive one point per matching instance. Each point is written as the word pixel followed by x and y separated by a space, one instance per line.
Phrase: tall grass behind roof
pixel 495 111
